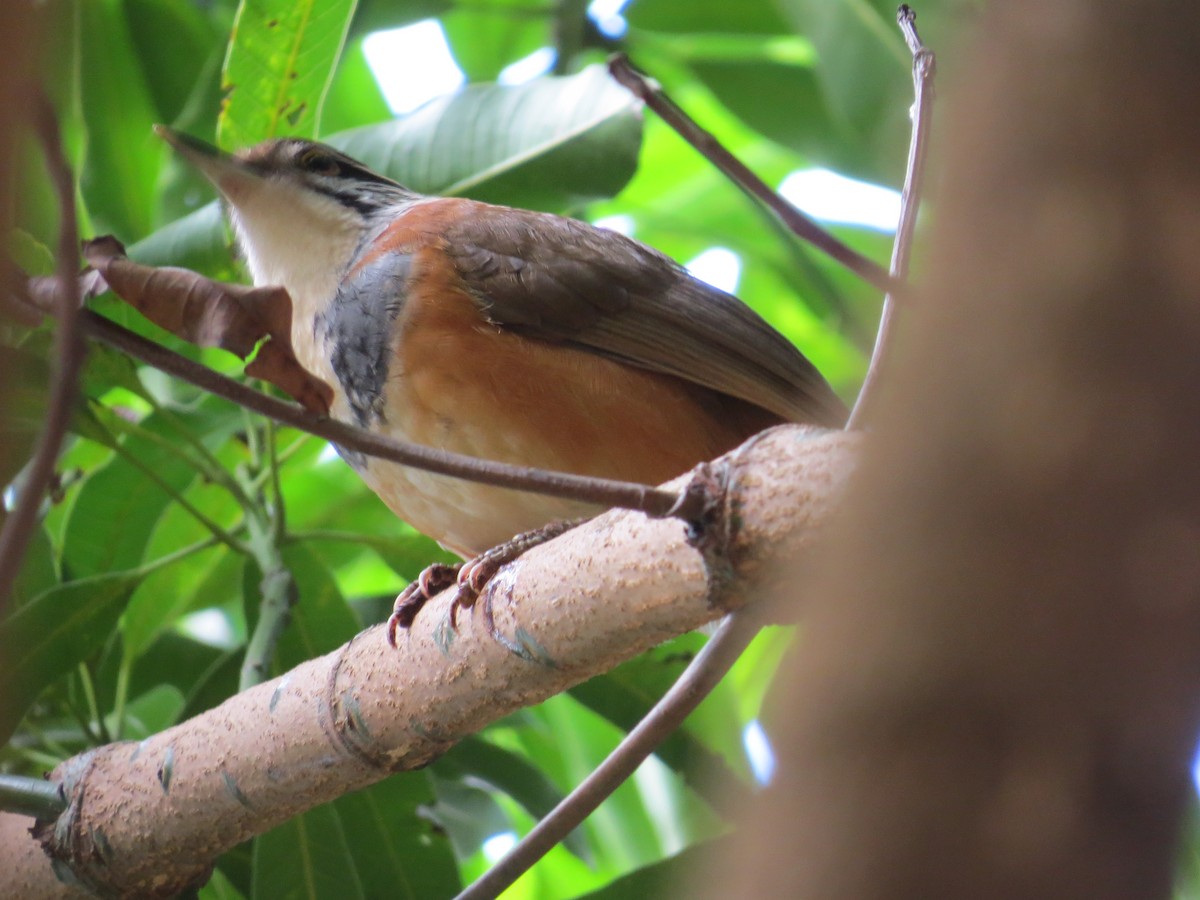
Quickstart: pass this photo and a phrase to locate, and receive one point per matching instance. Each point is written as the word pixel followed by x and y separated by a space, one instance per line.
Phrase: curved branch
pixel 69 352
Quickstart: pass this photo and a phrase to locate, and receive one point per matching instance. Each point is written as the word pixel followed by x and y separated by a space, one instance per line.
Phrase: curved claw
pixel 429 583
pixel 470 577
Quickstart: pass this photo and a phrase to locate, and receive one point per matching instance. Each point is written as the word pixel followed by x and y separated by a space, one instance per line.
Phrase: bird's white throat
pixel 296 238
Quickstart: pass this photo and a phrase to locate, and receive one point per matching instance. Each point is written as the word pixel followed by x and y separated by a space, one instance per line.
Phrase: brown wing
pixel 562 280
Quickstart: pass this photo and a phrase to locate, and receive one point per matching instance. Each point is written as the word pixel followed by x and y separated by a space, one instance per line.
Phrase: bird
pixel 501 333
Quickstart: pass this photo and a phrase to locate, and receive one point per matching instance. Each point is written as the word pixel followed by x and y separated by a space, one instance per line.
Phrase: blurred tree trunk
pixel 998 693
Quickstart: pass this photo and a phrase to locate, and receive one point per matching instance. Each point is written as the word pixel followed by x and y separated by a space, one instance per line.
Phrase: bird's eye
pixel 318 162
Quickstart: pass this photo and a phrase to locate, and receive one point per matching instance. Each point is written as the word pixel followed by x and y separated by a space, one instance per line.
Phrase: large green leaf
pixel 279 67
pixel 118 507
pixel 354 97
pixel 123 158
pixel 511 773
pixel 628 692
pixel 707 17
pixel 197 242
pixel 397 851
pixel 864 72
pixel 321 621
pixel 306 857
pixel 667 878
pixel 208 579
pixel 552 144
pixel 487 37
pixel 548 144
pixel 361 842
pixel 172 41
pixel 54 632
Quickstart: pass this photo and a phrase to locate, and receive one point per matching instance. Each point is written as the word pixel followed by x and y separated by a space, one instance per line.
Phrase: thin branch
pixel 69 352
pixel 602 491
pixel 697 682
pixel 219 533
pixel 737 171
pixel 34 797
pixel 924 66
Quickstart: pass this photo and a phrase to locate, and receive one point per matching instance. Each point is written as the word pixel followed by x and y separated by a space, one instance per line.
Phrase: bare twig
pixel 737 171
pixel 696 683
pixel 910 201
pixel 69 352
pixel 602 491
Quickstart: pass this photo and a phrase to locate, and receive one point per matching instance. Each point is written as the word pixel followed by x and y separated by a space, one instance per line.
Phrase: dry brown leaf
pixel 214 314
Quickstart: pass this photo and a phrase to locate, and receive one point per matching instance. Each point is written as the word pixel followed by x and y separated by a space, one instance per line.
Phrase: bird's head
pixel 301 210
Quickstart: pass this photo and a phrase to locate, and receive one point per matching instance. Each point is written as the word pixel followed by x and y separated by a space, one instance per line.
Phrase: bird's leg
pixel 471 576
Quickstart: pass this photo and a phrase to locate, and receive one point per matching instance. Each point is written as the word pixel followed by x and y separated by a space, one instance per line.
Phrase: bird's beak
pixel 231 175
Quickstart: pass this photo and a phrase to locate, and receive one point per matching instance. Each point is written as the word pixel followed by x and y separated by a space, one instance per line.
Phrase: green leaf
pixel 321 620
pixel 123 157
pixel 210 578
pixel 279 67
pixel 864 70
pixel 219 887
pixel 486 38
pixel 397 851
pixel 513 774
pixel 187 665
pixel 197 242
pixel 153 711
pixel 552 144
pixel 354 96
pixel 667 878
pixel 374 843
pixel 27 378
pixel 628 692
pixel 124 493
pixel 172 40
pixel 29 254
pixel 549 144
pixel 38 572
pixel 707 16
pixel 305 857
pixel 53 633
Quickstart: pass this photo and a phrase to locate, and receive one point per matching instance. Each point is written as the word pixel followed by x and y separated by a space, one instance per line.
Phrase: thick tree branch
pixel 602 593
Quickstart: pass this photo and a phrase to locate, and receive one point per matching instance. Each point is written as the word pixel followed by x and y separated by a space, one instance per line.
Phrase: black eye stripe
pixel 362 173
pixel 364 205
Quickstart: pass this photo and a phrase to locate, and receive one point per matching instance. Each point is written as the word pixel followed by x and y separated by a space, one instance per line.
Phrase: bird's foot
pixel 471 577
pixel 433 580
